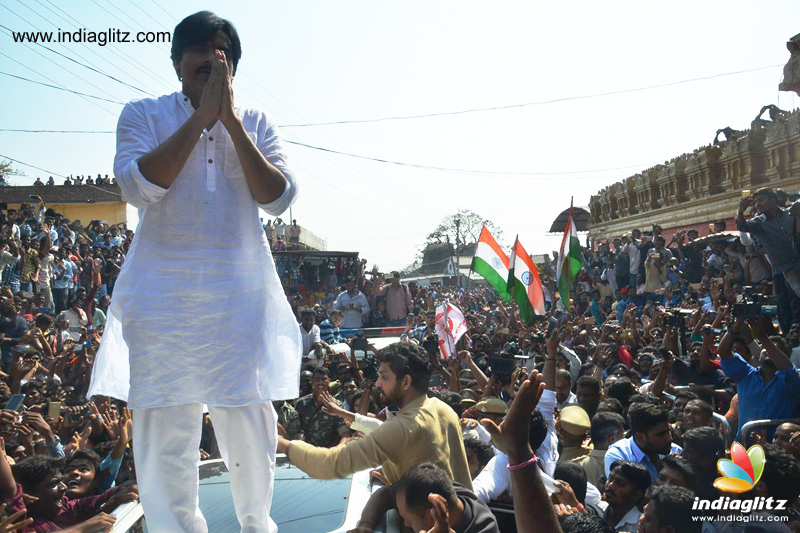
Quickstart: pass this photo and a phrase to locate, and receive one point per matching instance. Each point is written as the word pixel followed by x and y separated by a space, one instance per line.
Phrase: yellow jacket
pixel 425 430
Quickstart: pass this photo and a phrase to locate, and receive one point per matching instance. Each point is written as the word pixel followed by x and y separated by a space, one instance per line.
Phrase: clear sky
pixel 336 60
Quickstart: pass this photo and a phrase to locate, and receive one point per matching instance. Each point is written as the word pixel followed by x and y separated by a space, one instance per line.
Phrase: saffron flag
pixel 524 284
pixel 570 260
pixel 450 326
pixel 492 263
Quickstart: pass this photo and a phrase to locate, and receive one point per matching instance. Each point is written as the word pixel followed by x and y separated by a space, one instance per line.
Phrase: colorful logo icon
pixel 742 472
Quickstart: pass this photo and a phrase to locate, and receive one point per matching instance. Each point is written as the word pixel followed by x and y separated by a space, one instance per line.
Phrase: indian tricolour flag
pixel 570 260
pixel 524 283
pixel 492 263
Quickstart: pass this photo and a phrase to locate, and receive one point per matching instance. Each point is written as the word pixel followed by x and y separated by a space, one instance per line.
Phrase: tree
pixel 7 170
pixel 461 229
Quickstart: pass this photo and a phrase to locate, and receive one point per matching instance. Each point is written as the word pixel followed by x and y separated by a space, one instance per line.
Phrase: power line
pixel 496 173
pixel 117 52
pixel 528 104
pixel 54 81
pixel 61 88
pixel 32 166
pixel 461 170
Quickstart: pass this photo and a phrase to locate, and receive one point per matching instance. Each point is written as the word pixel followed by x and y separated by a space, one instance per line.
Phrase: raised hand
pixel 512 436
pixel 227 111
pixel 13 523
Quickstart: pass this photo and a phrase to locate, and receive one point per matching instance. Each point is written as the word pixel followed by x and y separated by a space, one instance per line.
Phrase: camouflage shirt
pixel 321 429
pixel 289 419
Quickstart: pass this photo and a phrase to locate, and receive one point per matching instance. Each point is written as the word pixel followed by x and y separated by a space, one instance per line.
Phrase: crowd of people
pixel 607 414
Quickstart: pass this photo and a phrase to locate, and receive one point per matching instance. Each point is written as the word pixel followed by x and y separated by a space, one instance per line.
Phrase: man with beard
pixel 650 439
pixel 770 390
pixel 424 429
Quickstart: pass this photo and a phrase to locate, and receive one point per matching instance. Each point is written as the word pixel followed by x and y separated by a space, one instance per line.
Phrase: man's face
pixel 49 493
pixel 411 518
pixel 305 382
pixel 783 434
pixel 396 280
pixel 473 463
pixel 79 477
pixel 694 416
pixel 678 408
pixel 620 492
pixel 194 68
pixel 430 319
pixel 350 286
pixel 562 390
pixel 308 322
pixel 657 440
pixel 762 203
pixel 648 521
pixel 348 390
pixel 670 476
pixel 588 399
pixel 389 385
pixel 320 383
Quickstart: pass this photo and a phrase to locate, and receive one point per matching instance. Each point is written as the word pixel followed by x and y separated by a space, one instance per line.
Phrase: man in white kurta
pixel 198 314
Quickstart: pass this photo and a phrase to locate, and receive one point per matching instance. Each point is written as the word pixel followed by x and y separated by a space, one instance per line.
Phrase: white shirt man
pixel 188 325
pixel 353 304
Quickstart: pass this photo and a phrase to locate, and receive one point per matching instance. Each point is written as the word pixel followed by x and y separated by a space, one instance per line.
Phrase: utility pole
pixel 458 242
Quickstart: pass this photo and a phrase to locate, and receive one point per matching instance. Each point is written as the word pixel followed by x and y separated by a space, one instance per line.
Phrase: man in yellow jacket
pixel 424 430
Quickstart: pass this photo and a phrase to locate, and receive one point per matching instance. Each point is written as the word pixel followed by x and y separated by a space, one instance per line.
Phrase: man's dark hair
pixel 673 507
pixel 322 370
pixel 453 399
pixel 589 382
pixel 197 29
pixel 768 193
pixel 781 472
pixel 605 424
pixel 32 384
pixel 408 358
pixel 538 430
pixel 689 395
pixel 636 473
pixel 681 465
pixel 422 480
pixel 646 397
pixel 584 523
pixel 706 441
pixel 622 389
pixel 645 417
pixel 483 451
pixel 350 279
pixel 610 405
pixel 307 312
pixel 89 456
pixel 33 470
pixel 575 476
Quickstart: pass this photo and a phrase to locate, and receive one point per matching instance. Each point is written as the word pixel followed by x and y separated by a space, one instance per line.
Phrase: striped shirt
pixel 777 237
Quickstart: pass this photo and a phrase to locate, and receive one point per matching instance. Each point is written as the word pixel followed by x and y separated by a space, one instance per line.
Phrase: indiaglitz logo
pixel 742 471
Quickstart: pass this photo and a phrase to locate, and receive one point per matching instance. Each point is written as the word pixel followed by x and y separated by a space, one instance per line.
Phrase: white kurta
pixel 198 313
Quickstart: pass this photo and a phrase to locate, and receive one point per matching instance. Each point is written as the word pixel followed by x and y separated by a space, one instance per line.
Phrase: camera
pixel 431 344
pixel 754 305
pixel 675 321
pixel 502 367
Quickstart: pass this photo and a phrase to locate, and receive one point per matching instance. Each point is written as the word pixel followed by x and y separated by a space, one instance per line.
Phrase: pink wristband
pixel 527 463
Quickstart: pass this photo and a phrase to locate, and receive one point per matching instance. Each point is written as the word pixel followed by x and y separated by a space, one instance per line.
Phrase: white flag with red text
pixel 450 326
